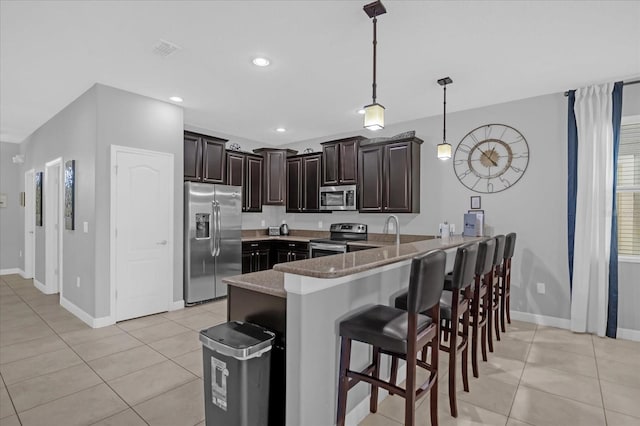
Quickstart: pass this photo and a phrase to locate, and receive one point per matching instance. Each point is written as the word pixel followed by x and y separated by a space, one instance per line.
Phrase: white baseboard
pixel 43 288
pixel 541 319
pixel 11 271
pixel 23 274
pixel 628 334
pixel 174 306
pixel 85 317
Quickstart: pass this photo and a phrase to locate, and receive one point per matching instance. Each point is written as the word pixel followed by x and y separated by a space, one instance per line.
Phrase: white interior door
pixel 29 223
pixel 53 225
pixel 143 232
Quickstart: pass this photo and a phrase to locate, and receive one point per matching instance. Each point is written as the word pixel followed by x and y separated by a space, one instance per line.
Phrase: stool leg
pixel 490 312
pixel 485 309
pixel 345 358
pixel 465 351
pixel 373 403
pixel 495 312
pixel 453 405
pixel 474 329
pixel 503 296
pixel 509 306
pixel 394 372
pixel 434 389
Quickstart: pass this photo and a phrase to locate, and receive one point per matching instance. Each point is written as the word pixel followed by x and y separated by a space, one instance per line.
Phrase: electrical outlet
pixel 541 288
pixel 78 282
pixel 263 223
pixel 20 253
pixel 320 224
pixel 85 226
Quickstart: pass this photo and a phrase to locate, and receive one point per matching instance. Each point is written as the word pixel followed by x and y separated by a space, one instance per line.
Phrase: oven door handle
pixel 322 246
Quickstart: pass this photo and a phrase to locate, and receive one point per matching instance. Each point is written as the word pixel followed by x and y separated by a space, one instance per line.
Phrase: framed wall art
pixel 69 194
pixel 475 202
pixel 39 176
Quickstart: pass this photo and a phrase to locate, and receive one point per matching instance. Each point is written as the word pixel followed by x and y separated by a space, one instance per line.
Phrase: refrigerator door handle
pixel 219 214
pixel 214 230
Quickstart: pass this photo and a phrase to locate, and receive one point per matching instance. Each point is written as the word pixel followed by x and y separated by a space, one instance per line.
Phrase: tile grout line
pixel 526 361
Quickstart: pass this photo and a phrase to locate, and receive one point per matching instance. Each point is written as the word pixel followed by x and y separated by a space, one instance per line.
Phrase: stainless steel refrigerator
pixel 212 240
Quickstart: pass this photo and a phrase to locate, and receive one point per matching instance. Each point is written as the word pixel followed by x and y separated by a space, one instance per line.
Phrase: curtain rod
pixel 626 83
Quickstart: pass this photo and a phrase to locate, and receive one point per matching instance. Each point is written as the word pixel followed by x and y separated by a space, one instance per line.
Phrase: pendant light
pixel 444 149
pixel 374 113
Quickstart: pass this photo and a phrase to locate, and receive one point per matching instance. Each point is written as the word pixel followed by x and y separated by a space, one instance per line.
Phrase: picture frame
pixel 69 194
pixel 475 202
pixel 38 183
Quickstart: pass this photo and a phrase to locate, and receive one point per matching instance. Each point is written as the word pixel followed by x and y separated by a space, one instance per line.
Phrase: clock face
pixel 491 158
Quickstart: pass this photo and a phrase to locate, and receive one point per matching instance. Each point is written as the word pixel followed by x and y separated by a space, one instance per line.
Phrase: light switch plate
pixel 85 227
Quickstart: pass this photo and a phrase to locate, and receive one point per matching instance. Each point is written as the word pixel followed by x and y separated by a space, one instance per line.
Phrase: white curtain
pixel 594 204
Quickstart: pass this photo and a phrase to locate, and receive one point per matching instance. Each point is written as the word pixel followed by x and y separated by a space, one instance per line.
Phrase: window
pixel 628 189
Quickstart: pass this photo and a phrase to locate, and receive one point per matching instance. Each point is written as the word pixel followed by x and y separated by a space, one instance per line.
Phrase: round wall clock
pixel 491 158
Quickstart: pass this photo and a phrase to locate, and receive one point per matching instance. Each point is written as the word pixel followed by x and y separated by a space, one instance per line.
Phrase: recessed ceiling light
pixel 361 111
pixel 175 99
pixel 261 62
pixel 281 129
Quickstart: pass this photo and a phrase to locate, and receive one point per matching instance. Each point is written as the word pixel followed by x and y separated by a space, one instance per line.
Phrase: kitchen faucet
pixel 385 229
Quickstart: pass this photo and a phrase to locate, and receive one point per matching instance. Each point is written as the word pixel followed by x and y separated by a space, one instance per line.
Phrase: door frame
pixel 29 216
pixel 50 288
pixel 115 149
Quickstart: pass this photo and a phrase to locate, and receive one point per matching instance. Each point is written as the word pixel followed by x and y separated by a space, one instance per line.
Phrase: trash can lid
pixel 241 340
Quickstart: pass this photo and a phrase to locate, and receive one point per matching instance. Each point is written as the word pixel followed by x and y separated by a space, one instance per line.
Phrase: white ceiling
pixel 52 51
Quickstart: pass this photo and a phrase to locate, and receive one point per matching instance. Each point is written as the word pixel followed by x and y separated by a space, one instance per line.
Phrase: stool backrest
pixel 509 245
pixel 499 252
pixel 426 281
pixel 484 262
pixel 464 266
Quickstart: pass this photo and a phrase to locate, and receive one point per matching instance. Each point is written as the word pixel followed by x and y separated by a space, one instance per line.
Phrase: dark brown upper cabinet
pixel 204 158
pixel 303 183
pixel 340 161
pixel 274 175
pixel 245 169
pixel 390 176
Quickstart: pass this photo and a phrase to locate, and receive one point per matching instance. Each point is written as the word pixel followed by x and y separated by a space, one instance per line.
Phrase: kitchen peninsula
pixel 304 301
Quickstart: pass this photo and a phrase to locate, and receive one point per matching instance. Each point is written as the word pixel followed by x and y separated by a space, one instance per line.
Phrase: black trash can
pixel 237 361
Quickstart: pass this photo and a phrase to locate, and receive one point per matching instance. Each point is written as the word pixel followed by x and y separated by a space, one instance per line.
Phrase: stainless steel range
pixel 341 234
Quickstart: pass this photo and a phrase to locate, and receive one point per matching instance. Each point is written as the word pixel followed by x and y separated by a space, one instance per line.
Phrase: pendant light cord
pixel 444 116
pixel 375 43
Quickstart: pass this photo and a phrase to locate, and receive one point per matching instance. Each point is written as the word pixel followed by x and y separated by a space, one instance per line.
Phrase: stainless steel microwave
pixel 338 197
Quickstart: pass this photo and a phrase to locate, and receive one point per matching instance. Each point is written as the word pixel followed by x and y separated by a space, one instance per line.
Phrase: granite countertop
pixel 277 238
pixel 268 282
pixel 341 265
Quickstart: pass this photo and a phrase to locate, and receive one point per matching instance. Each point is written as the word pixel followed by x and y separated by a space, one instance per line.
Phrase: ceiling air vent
pixel 165 48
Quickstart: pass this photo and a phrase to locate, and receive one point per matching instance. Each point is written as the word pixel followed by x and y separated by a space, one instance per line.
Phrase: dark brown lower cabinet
pixel 390 176
pixel 256 256
pixel 270 312
pixel 286 251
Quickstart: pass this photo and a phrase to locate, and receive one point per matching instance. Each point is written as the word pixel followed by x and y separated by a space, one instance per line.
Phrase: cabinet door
pixel 236 174
pixel 397 178
pixel 262 260
pixel 330 166
pixel 348 164
pixel 275 177
pixel 192 158
pixel 294 184
pixel 247 262
pixel 213 160
pixel 311 183
pixel 253 184
pixel 299 255
pixel 370 178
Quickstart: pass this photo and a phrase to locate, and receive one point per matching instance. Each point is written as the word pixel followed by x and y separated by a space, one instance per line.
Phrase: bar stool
pixel 400 334
pixel 493 284
pixel 505 278
pixel 481 290
pixel 454 310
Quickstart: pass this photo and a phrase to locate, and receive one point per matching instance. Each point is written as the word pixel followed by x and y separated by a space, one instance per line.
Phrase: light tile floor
pixel 55 370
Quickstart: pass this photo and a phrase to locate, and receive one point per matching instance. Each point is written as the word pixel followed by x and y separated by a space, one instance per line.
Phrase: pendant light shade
pixel 374 117
pixel 444 148
pixel 374 112
pixel 444 151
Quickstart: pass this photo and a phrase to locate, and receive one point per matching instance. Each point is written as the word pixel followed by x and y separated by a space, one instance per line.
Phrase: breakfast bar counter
pixel 304 302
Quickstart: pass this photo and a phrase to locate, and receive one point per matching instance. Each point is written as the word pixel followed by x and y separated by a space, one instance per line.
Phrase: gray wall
pixel 84 131
pixel 70 134
pixel 11 236
pixel 135 121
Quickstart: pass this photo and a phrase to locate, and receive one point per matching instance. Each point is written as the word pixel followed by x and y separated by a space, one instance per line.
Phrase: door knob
pixel 162 243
